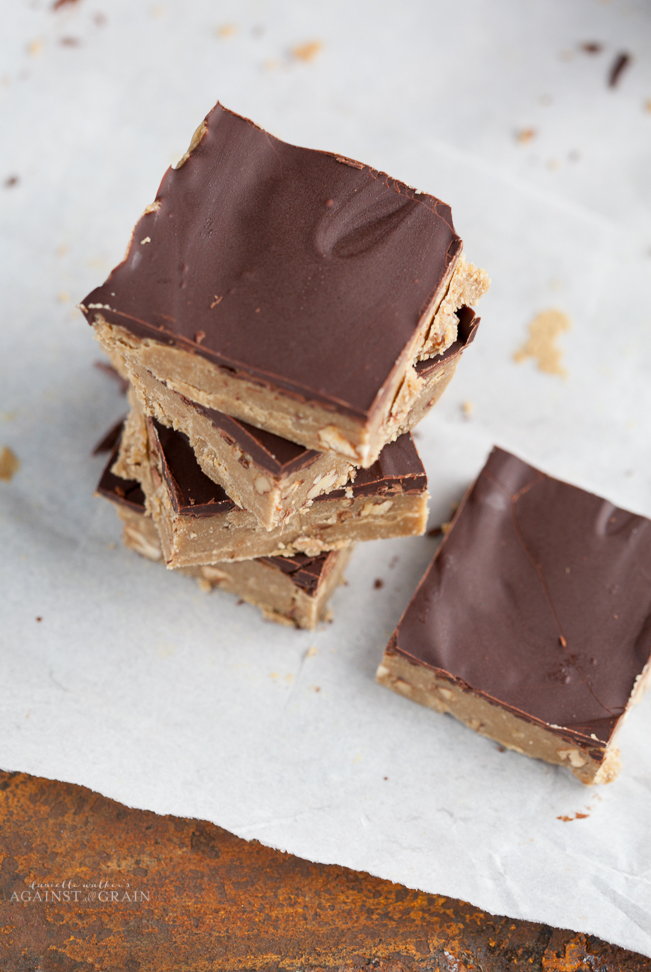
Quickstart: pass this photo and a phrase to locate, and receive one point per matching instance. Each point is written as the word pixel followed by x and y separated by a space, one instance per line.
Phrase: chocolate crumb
pixel 70 42
pixel 109 440
pixel 592 47
pixel 39 618
pixel 62 3
pixel 378 583
pixel 436 531
pixel 501 749
pixel 620 63
pixel 238 602
pixel 11 181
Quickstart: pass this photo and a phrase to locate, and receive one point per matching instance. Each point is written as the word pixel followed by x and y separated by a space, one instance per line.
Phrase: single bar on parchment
pixel 199 524
pixel 289 590
pixel 271 477
pixel 292 289
pixel 533 623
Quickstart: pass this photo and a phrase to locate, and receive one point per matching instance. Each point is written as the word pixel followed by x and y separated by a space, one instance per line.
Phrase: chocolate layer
pixel 295 268
pixel 539 597
pixel 307 573
pixel 398 470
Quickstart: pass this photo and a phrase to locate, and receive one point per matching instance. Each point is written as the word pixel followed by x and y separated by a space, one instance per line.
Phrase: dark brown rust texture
pixel 177 894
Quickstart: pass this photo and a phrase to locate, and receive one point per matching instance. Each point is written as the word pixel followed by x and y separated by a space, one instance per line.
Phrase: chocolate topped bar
pixel 290 270
pixel 265 257
pixel 539 602
pixel 306 572
pixel 292 590
pixel 199 524
pixel 398 469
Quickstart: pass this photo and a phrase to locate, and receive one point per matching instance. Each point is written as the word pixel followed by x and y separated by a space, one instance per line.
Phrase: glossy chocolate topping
pixel 293 267
pixel 397 470
pixel 305 572
pixel 539 597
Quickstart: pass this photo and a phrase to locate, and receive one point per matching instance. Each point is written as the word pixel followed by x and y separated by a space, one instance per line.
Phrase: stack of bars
pixel 284 318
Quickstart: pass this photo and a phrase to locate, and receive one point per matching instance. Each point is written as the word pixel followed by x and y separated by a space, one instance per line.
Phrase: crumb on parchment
pixel 621 62
pixel 9 464
pixel 307 52
pixel 468 409
pixel 541 343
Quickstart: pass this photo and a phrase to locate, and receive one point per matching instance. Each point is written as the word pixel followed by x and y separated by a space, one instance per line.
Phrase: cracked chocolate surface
pixel 293 267
pixel 540 598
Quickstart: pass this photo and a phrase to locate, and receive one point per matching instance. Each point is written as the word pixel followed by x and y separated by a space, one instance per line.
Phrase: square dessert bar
pixel 271 477
pixel 199 524
pixel 290 590
pixel 295 290
pixel 533 623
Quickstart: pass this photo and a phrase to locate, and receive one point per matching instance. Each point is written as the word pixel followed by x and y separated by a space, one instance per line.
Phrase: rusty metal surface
pixel 87 884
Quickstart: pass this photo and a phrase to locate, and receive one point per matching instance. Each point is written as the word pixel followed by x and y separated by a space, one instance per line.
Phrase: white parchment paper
pixel 139 686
